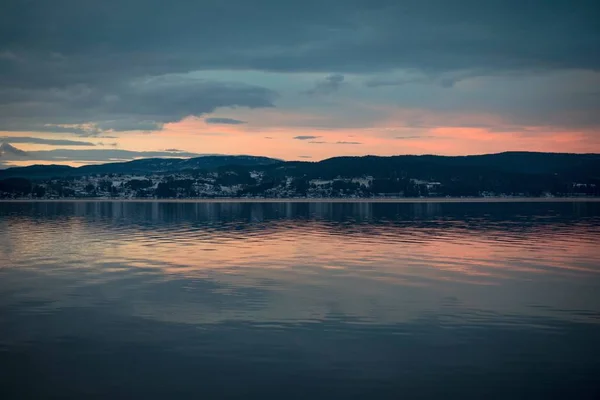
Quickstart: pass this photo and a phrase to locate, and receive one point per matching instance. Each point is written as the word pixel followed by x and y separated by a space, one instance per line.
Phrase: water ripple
pixel 272 282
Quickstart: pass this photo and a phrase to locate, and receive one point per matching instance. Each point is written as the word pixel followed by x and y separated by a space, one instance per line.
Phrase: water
pixel 289 300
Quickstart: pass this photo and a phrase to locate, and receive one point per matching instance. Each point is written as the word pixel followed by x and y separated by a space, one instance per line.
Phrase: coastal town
pixel 209 185
pixel 189 185
pixel 495 175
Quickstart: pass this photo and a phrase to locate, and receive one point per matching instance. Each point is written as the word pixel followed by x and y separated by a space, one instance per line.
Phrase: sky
pixel 92 81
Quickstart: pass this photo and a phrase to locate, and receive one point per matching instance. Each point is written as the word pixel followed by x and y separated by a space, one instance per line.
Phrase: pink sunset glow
pixel 275 138
pixel 382 93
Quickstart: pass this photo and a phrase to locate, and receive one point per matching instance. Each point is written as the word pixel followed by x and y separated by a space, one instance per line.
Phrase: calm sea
pixel 120 300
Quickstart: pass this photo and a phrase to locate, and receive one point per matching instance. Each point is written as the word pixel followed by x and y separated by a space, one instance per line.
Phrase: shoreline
pixel 323 200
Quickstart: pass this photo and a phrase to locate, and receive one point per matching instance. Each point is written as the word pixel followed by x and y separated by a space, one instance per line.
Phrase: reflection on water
pixel 299 300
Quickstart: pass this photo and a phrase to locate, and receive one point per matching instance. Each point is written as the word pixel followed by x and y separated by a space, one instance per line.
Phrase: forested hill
pixel 512 173
pixel 426 166
pixel 141 166
pixel 443 167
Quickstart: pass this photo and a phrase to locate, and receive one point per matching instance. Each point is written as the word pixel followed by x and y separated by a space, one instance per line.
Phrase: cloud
pixel 127 67
pixel 126 37
pixel 50 142
pixel 445 79
pixel 341 142
pixel 316 142
pixel 304 156
pixel 224 121
pixel 305 137
pixel 174 150
pixel 328 85
pixel 96 155
pixel 268 137
pixel 412 137
pixel 144 104
pixel 127 124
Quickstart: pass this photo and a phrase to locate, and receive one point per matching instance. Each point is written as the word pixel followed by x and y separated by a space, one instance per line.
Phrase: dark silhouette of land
pixel 524 174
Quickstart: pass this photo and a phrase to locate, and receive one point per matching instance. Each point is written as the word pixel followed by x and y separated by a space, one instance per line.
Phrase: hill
pixel 512 173
pixel 142 166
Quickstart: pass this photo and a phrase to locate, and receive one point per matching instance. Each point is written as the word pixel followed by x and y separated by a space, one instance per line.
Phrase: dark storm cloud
pixel 79 41
pixel 328 85
pixel 69 62
pixel 223 121
pixel 50 142
pixel 305 137
pixel 143 104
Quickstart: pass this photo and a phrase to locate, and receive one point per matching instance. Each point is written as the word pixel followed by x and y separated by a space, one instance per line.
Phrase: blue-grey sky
pixel 363 76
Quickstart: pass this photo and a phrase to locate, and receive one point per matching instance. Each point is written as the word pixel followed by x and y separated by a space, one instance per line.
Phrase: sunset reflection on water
pixel 374 272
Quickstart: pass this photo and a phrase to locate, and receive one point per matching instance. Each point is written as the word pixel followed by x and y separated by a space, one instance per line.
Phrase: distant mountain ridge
pixel 8 149
pixel 9 153
pixel 141 166
pixel 506 162
pixel 418 166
